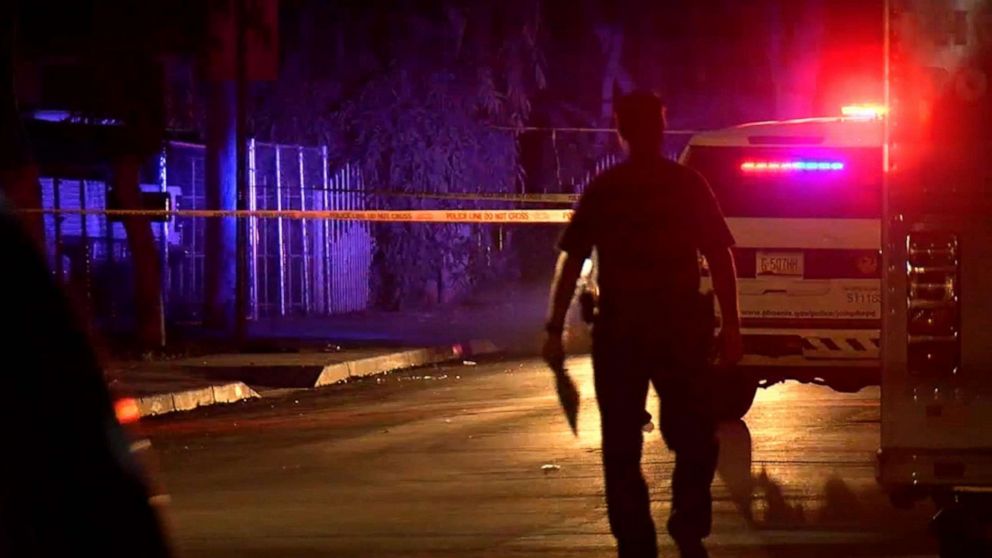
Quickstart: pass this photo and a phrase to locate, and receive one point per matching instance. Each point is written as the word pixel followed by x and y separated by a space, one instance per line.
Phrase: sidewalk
pixel 301 353
pixel 168 386
pixel 513 318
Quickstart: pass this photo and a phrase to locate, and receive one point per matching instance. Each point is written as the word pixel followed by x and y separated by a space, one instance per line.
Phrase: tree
pixel 413 92
pixel 425 125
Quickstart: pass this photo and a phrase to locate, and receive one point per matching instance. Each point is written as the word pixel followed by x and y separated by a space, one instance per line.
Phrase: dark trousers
pixel 624 367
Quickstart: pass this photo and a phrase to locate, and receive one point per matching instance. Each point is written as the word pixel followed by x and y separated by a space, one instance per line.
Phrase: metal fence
pixel 297 267
pixel 90 252
pixel 306 267
pixel 599 166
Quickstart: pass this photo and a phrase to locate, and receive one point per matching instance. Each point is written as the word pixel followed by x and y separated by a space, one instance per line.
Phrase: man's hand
pixel 554 352
pixel 731 345
pixel 567 272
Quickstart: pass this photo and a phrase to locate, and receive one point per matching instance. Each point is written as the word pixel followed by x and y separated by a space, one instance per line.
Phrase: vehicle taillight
pixel 127 410
pixel 933 317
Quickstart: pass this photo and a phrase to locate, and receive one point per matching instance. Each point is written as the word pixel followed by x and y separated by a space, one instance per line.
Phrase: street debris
pixel 549 468
pixel 469 363
pixel 417 378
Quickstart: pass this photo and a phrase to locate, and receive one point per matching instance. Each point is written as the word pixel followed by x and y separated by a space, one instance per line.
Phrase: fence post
pixel 336 244
pixel 163 185
pixel 325 224
pixel 252 233
pixel 350 228
pixel 279 235
pixel 57 222
pixel 266 226
pixel 85 237
pixel 111 256
pixel 304 236
pixel 367 251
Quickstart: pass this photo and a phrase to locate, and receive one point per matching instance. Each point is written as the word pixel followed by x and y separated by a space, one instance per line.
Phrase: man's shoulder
pixel 605 184
pixel 663 171
pixel 682 173
pixel 609 176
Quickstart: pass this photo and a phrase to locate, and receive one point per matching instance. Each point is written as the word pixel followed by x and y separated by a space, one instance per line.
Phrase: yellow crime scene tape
pixel 464 196
pixel 409 216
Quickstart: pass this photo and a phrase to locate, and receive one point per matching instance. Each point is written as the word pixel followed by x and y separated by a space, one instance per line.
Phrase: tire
pixel 960 532
pixel 957 548
pixel 735 393
pixel 852 385
pixel 905 497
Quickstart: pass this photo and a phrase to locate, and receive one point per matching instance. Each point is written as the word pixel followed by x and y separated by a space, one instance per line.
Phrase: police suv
pixel 803 200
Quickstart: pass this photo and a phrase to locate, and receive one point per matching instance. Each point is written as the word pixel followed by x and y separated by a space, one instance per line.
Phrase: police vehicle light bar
pixel 756 167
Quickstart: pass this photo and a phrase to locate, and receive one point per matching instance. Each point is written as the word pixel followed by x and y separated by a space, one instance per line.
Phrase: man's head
pixel 641 121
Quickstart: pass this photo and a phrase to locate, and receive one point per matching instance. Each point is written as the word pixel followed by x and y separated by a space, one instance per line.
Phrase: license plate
pixel 779 264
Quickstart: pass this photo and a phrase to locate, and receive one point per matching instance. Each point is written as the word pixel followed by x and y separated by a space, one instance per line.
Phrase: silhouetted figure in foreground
pixel 648 219
pixel 69 485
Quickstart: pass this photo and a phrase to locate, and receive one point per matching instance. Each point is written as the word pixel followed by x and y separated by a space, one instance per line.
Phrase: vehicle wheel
pixel 953 547
pixel 905 497
pixel 735 394
pixel 959 533
pixel 847 385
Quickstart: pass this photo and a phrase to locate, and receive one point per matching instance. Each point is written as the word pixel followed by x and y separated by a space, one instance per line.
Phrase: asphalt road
pixel 477 461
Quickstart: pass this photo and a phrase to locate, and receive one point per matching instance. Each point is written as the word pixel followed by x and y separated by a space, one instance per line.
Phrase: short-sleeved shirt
pixel 648 220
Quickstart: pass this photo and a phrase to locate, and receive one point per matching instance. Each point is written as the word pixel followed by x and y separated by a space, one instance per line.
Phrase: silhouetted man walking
pixel 649 219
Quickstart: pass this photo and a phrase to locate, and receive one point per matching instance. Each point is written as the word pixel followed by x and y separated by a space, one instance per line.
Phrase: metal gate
pixel 300 267
pixel 303 266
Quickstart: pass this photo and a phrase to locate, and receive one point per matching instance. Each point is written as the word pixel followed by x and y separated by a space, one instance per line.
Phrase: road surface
pixel 467 460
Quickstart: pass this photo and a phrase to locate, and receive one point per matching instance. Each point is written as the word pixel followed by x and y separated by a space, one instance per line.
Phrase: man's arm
pixel 567 273
pixel 724 273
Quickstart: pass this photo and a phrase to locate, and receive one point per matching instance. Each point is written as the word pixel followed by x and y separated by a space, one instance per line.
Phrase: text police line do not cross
pixel 536 216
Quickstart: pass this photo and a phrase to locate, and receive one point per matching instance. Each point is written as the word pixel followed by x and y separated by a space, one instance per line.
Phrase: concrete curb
pixel 412 358
pixel 178 401
pixel 187 400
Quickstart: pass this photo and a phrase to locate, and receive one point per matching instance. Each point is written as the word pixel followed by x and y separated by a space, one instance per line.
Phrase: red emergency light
pixel 758 167
pixel 864 111
pixel 127 411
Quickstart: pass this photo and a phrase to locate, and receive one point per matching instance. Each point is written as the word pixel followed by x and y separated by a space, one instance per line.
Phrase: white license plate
pixel 779 264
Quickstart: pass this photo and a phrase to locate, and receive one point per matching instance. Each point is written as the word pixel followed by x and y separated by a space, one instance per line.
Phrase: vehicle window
pixel 748 184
